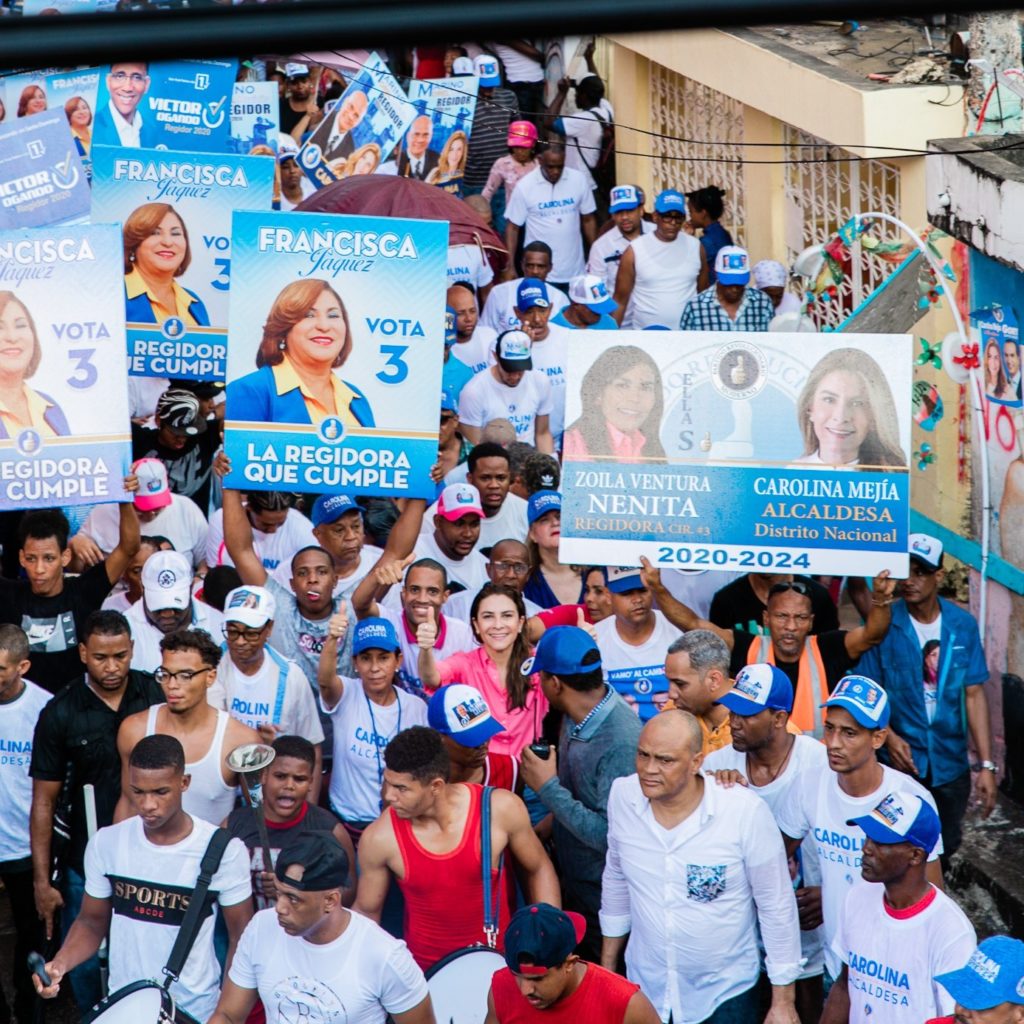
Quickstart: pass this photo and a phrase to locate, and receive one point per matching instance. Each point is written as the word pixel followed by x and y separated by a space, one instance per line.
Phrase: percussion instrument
pixel 141 1002
pixel 251 759
pixel 459 984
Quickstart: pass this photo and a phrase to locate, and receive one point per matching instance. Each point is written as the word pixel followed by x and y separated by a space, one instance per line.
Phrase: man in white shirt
pixel 510 389
pixel 474 341
pixel 897 930
pixel 499 311
pixel 504 512
pixel 556 204
pixel 856 716
pixel 549 345
pixel 626 207
pixel 338 528
pixel 468 263
pixel 693 872
pixel 509 563
pixel 120 123
pixel 456 536
pixel 278 531
pixel 139 875
pixel 309 959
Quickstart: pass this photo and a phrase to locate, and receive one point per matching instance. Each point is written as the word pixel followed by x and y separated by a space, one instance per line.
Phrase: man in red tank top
pixel 545 982
pixel 429 839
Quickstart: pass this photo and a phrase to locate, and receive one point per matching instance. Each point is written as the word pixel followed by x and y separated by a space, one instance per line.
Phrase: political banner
pixel 361 130
pixel 180 105
pixel 334 357
pixel 255 118
pixel 437 142
pixel 74 92
pixel 743 451
pixel 175 209
pixel 64 425
pixel 42 179
pixel 999 348
pixel 25 94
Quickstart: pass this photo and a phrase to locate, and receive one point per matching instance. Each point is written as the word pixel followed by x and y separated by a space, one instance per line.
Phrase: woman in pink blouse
pixel 498 618
pixel 508 170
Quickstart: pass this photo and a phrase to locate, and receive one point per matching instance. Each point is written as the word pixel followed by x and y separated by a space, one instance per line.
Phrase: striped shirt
pixel 705 313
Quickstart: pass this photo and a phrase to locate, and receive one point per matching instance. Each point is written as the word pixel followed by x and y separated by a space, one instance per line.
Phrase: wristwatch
pixel 988 766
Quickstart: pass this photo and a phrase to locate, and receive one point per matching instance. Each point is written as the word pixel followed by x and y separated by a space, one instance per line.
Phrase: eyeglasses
pixel 185 675
pixel 781 588
pixel 516 568
pixel 120 77
pixel 237 633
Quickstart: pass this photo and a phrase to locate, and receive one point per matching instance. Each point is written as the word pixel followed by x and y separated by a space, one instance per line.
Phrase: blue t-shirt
pixel 606 323
pixel 455 375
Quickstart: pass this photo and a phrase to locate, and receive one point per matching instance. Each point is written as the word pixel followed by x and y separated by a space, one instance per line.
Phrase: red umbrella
pixel 387 195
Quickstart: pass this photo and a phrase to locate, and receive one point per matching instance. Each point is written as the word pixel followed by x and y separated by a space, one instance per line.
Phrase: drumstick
pixel 37 965
pixel 261 822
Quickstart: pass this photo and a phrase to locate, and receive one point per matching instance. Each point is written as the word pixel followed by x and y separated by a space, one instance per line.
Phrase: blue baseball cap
pixel 994 975
pixel 532 291
pixel 863 698
pixel 623 197
pixel 670 201
pixel 759 687
pixel 487 70
pixel 540 503
pixel 460 711
pixel 329 508
pixel 732 265
pixel 623 579
pixel 901 818
pixel 449 402
pixel 450 334
pixel 564 651
pixel 375 634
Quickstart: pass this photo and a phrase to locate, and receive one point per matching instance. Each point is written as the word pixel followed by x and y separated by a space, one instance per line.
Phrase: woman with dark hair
pixel 705 212
pixel 495 668
pixel 995 377
pixel 79 115
pixel 306 337
pixel 622 404
pixel 31 101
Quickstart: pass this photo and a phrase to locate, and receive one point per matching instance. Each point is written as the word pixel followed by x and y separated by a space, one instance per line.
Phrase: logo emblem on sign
pixel 332 430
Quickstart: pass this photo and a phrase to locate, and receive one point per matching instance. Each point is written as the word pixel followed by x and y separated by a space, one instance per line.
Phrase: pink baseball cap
pixel 458 500
pixel 154 490
pixel 522 134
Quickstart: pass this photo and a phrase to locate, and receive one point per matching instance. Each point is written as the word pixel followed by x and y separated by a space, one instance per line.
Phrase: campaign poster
pixel 181 105
pixel 999 347
pixel 175 212
pixel 42 179
pixel 745 451
pixel 361 130
pixel 64 423
pixel 25 95
pixel 334 356
pixel 74 92
pixel 255 118
pixel 436 145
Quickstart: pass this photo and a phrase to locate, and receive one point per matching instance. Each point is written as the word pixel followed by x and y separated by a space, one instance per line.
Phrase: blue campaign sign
pixel 438 139
pixel 999 348
pixel 335 348
pixel 42 179
pixel 64 422
pixel 180 105
pixel 255 118
pixel 746 451
pixel 175 209
pixel 74 92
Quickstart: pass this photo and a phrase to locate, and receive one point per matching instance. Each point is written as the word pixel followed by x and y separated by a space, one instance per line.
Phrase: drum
pixel 141 1002
pixel 459 984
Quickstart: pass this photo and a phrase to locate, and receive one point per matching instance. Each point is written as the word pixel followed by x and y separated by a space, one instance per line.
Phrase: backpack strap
pixel 491 908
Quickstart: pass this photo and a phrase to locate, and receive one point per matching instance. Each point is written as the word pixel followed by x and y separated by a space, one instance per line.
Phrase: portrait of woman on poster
pixel 365 160
pixel 156 252
pixel 305 339
pixel 451 165
pixel 622 405
pixel 997 387
pixel 79 115
pixel 31 101
pixel 21 407
pixel 847 416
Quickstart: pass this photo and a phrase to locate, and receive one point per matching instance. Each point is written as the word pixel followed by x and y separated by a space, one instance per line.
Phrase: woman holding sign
pixel 306 337
pixel 156 251
pixel 21 408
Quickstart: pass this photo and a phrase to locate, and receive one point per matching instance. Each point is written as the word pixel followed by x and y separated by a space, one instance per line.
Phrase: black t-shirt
pixel 289 117
pixel 53 624
pixel 189 469
pixel 78 730
pixel 833 653
pixel 736 606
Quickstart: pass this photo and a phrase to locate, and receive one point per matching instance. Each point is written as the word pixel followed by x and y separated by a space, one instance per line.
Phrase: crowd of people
pixel 658 796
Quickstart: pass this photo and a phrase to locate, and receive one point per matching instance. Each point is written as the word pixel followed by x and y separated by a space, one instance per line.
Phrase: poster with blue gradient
pixel 74 92
pixel 42 178
pixel 361 130
pixel 334 356
pixel 175 210
pixel 743 451
pixel 255 118
pixel 64 425
pixel 180 105
pixel 439 134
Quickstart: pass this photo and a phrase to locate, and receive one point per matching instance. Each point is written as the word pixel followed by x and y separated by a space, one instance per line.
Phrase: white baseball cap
pixel 167 581
pixel 251 606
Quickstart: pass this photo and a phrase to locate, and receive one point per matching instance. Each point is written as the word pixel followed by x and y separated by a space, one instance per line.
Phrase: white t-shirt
pixel 551 213
pixel 551 358
pixel 484 399
pixel 925 632
pixel 17 726
pixel 267 698
pixel 181 523
pixel 508 524
pixel 583 134
pixel 362 730
pixel 638 673
pixel 458 606
pixel 518 67
pixel 470 572
pixel 696 587
pixel 666 279
pixel 499 311
pixel 818 806
pixel 606 252
pixel 453 636
pixel 273 549
pixel 478 352
pixel 467 263
pixel 146 637
pixel 892 961
pixel 143 395
pixel 807 756
pixel 359 978
pixel 149 887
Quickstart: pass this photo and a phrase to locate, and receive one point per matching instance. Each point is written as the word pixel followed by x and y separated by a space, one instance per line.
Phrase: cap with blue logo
pixel 540 503
pixel 591 291
pixel 251 606
pixel 375 634
pixel 458 500
pixel 623 197
pixel 450 334
pixel 863 698
pixel 994 975
pixel 670 201
pixel 513 351
pixel 532 291
pixel 460 711
pixel 927 550
pixel 449 403
pixel 487 71
pixel 901 818
pixel 622 579
pixel 757 688
pixel 566 651
pixel 329 508
pixel 732 265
